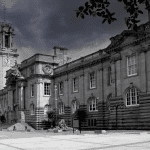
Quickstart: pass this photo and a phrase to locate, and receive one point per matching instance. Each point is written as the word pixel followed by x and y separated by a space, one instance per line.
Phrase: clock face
pixel 47 69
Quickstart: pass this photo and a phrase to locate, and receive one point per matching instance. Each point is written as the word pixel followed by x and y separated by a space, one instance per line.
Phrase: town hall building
pixel 112 85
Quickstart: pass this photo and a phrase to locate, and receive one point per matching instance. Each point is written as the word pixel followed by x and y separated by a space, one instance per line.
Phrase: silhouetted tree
pixel 100 8
pixel 52 117
pixel 81 115
pixel 3 119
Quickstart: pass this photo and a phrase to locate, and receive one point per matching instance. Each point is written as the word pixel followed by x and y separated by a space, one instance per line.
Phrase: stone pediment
pixel 127 36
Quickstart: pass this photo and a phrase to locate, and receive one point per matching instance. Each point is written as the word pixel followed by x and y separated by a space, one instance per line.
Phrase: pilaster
pixel 143 79
pixel 115 68
pixel 10 98
pixel 100 82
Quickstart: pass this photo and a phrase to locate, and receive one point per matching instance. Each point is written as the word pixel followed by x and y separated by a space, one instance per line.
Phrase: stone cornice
pixel 81 66
pixel 39 75
pixel 36 62
pixel 22 83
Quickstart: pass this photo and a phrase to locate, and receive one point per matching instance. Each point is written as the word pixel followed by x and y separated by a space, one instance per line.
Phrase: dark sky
pixel 42 24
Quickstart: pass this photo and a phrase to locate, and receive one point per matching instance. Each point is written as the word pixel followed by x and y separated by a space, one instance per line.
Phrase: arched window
pixel 75 105
pixel 132 96
pixel 92 101
pixel 32 108
pixel 108 102
pixel 61 108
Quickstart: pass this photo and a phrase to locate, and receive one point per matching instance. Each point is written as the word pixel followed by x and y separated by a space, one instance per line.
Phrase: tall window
pixel 132 96
pixel 61 88
pixel 32 90
pixel 109 76
pixel 131 65
pixel 92 80
pixel 75 85
pixel 47 89
pixel 93 105
pixel 61 108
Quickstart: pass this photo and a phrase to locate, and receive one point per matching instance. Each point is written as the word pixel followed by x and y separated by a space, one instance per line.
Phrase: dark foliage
pixel 3 119
pixel 80 114
pixel 100 8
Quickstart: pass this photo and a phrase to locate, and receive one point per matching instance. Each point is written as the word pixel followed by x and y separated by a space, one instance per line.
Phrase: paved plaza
pixel 42 140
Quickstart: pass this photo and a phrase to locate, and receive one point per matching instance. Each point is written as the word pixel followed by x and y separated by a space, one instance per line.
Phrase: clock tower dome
pixel 8 55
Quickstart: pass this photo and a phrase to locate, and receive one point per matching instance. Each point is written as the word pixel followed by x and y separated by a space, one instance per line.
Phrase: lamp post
pixel 116 106
pixel 56 100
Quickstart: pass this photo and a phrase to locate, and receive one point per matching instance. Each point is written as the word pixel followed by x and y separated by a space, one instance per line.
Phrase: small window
pixel 92 122
pixel 32 90
pixel 131 65
pixel 92 80
pixel 32 109
pixel 108 102
pixel 93 105
pixel 61 88
pixel 132 97
pixel 109 76
pixel 61 108
pixel 47 89
pixel 75 84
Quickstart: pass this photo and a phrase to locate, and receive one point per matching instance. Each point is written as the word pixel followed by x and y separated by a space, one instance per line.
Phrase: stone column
pixel 21 95
pixel 40 90
pixel 21 114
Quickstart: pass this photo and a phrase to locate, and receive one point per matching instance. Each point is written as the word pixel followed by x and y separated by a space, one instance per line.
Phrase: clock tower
pixel 8 55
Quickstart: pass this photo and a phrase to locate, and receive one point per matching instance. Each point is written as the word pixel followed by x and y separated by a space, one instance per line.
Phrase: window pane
pixel 131 65
pixel 92 80
pixel 132 96
pixel 46 88
pixel 61 88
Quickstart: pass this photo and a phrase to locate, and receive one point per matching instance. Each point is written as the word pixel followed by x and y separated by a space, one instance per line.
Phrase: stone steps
pixel 20 126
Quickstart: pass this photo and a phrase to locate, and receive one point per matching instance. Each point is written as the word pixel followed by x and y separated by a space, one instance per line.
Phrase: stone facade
pixel 8 55
pixel 112 85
